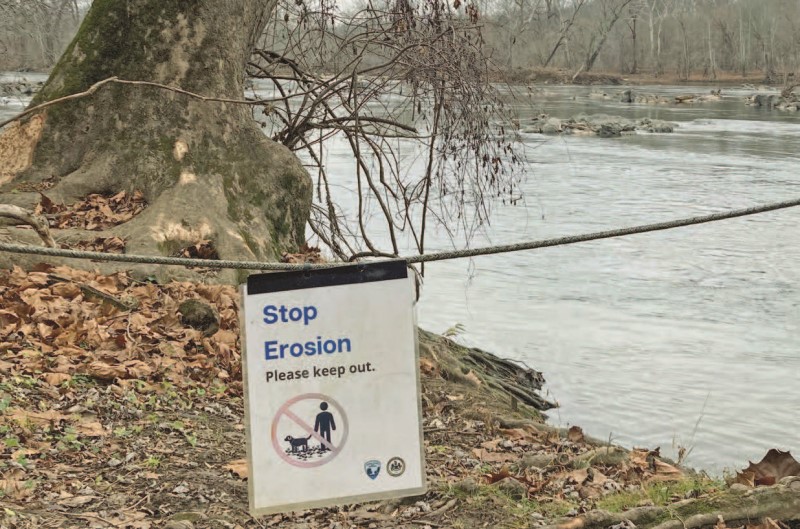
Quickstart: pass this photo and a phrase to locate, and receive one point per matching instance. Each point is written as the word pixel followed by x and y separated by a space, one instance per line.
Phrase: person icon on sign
pixel 324 424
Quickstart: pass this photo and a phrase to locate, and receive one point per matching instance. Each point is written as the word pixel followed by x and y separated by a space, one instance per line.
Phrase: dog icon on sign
pixel 372 468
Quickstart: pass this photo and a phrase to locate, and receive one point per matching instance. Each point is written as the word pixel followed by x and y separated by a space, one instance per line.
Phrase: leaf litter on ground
pixel 115 413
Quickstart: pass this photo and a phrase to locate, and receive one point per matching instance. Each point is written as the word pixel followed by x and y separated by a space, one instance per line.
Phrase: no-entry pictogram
pixel 309 430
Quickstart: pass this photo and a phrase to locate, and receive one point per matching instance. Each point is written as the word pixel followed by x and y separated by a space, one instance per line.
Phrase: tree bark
pixel 205 168
pixel 615 12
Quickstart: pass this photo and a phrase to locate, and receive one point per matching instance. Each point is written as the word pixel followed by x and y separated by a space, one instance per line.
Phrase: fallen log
pixel 779 502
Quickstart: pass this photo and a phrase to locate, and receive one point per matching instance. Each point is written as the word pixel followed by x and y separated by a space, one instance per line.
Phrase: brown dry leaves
pixel 238 467
pixel 305 254
pixel 775 466
pixel 649 466
pixel 101 244
pixel 95 212
pixel 54 335
pixel 50 330
pixel 202 250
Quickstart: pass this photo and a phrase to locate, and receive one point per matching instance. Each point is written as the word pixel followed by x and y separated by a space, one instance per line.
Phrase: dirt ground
pixel 118 409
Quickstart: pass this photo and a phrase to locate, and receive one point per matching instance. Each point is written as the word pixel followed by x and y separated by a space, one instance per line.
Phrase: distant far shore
pixel 560 76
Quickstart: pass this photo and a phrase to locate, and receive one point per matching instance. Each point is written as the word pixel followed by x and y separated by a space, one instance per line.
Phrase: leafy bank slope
pixel 120 406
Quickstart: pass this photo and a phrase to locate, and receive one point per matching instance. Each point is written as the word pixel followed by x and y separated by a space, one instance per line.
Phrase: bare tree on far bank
pixel 33 33
pixel 678 38
pixel 673 38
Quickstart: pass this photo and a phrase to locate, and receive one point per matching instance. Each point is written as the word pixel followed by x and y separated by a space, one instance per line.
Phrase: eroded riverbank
pixel 134 419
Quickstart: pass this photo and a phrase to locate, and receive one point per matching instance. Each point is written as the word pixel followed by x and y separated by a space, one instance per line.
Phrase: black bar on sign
pixel 326 277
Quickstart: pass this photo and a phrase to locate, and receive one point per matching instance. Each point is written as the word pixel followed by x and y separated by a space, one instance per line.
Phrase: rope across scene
pixel 425 258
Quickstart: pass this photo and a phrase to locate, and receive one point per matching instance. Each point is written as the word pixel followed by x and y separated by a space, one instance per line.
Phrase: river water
pixel 681 338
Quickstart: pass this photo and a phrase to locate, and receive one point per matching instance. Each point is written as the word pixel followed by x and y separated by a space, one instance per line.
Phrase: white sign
pixel 331 387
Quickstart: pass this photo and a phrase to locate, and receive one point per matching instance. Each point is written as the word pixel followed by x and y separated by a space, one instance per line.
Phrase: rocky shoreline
pixel 19 88
pixel 790 103
pixel 600 125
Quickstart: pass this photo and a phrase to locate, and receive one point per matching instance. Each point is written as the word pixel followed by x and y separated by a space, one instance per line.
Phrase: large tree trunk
pixel 205 168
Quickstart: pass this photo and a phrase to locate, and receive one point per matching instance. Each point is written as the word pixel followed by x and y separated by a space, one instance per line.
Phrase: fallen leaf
pixel 746 477
pixel 76 501
pixel 775 466
pixel 104 371
pixel 56 379
pixel 14 485
pixel 492 445
pixel 91 429
pixel 472 377
pixel 494 457
pixel 575 434
pixel 499 476
pixel 238 467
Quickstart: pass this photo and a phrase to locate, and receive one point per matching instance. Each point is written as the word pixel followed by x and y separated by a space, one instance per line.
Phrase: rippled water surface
pixel 679 338
pixel 687 337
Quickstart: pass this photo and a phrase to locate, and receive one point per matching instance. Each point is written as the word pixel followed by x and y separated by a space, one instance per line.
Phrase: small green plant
pixel 196 392
pixel 69 441
pixel 26 381
pixel 121 432
pixel 79 380
pixel 218 388
pixel 153 462
pixel 659 494
pixel 11 442
pixel 5 402
pixel 23 461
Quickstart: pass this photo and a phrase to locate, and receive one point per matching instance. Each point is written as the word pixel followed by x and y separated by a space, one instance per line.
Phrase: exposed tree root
pixel 27 217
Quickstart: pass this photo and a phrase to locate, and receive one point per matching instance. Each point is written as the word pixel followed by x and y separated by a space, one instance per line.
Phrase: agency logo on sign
pixel 372 468
pixel 395 467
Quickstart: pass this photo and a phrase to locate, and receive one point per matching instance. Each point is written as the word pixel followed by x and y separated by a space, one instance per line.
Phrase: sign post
pixel 331 376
